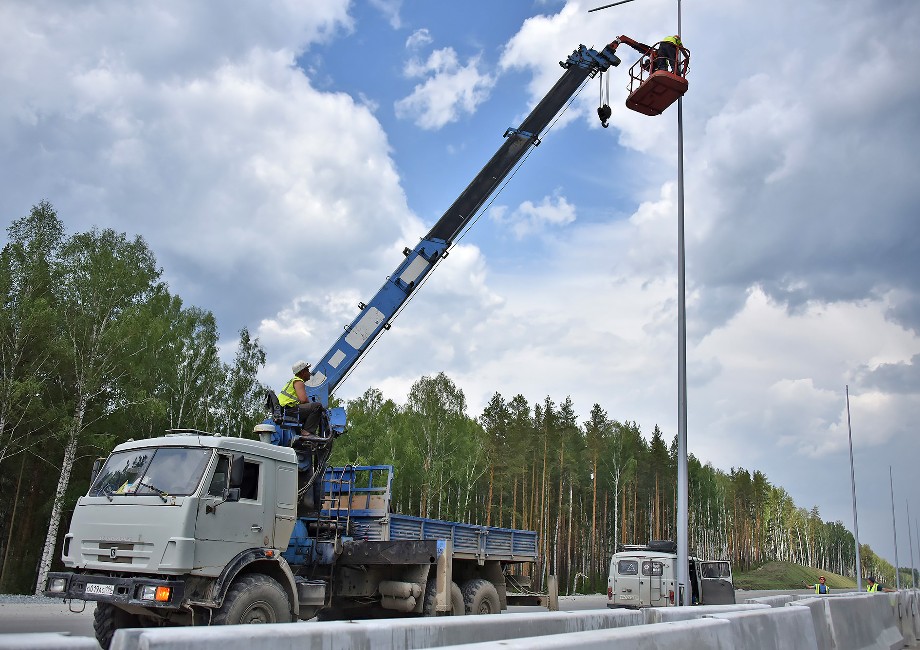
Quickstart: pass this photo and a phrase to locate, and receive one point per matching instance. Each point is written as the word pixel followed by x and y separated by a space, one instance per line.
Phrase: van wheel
pixel 456 600
pixel 481 597
pixel 254 598
pixel 107 619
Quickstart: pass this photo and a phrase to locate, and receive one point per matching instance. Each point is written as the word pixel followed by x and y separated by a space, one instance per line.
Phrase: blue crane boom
pixel 374 316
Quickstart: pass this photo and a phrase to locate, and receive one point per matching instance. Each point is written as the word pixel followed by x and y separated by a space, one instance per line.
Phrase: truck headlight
pixel 57 585
pixel 159 594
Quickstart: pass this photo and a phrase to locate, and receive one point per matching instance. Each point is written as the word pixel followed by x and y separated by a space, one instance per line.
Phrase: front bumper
pixel 119 590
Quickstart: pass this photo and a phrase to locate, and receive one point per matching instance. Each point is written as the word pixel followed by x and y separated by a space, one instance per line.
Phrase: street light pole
pixel 683 551
pixel 683 546
pixel 853 486
pixel 894 528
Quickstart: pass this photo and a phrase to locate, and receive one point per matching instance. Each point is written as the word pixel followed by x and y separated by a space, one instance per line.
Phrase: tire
pixel 456 600
pixel 254 598
pixel 107 619
pixel 481 597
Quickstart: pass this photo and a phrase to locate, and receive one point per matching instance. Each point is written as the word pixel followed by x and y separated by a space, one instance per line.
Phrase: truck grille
pixel 118 552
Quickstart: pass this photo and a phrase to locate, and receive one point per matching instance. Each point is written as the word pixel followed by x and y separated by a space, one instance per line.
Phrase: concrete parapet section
pixel 854 622
pixel 700 634
pixel 910 612
pixel 669 614
pixel 46 641
pixel 392 634
pixel 786 628
pixel 772 601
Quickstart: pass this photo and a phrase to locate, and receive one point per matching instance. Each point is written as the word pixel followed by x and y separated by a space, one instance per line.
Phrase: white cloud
pixel 529 218
pixel 419 39
pixel 449 90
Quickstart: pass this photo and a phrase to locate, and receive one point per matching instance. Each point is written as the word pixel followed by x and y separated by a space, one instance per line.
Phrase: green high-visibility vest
pixel 872 587
pixel 288 396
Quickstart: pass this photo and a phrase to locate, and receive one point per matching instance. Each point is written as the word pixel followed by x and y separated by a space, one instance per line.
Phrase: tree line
pixel 94 350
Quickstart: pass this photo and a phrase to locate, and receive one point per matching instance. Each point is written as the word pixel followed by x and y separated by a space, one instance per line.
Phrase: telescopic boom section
pixel 374 317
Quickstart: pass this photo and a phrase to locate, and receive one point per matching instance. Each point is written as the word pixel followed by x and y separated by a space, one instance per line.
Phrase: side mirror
pixel 232 494
pixel 236 472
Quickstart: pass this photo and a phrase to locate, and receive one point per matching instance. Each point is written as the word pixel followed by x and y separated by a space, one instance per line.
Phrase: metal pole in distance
pixel 917 535
pixel 853 486
pixel 894 527
pixel 910 538
pixel 683 566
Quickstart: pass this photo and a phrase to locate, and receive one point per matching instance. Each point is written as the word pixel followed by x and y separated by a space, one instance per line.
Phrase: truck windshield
pixel 170 471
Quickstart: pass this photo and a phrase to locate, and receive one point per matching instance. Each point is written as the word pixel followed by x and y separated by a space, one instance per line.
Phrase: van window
pixel 628 567
pixel 650 568
pixel 717 570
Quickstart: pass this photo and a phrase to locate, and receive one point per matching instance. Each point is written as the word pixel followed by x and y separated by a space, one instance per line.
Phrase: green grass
pixel 786 575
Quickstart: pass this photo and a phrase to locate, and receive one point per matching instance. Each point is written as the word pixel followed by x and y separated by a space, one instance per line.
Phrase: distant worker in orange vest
pixel 667 53
pixel 820 587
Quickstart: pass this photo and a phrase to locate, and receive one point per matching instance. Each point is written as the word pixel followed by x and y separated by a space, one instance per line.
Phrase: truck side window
pixel 628 567
pixel 250 487
pixel 219 480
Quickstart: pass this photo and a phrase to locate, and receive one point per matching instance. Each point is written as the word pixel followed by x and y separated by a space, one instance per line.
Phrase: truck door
pixel 226 528
pixel 652 592
pixel 716 587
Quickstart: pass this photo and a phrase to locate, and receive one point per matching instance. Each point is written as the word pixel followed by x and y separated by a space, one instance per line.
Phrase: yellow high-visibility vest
pixel 872 587
pixel 672 39
pixel 288 396
pixel 818 586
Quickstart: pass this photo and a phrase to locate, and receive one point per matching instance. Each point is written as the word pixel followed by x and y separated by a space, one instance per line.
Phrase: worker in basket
pixel 666 58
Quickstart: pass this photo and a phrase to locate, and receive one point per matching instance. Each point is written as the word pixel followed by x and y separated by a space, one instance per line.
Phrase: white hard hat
pixel 299 366
pixel 260 428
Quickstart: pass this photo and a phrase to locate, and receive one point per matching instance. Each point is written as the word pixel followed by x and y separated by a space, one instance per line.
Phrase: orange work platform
pixel 656 93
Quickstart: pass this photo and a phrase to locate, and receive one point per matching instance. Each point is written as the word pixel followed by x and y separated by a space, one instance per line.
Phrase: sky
pixel 277 156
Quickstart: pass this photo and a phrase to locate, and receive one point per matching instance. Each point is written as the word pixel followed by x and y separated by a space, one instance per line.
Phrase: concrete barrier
pixel 786 628
pixel 670 614
pixel 46 641
pixel 772 601
pixel 700 634
pixel 854 622
pixel 392 634
pixel 911 611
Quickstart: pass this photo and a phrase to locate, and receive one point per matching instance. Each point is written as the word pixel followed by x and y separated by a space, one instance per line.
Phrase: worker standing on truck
pixel 294 394
pixel 820 587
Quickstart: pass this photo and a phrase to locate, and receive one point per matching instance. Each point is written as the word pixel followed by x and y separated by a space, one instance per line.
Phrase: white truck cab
pixel 645 576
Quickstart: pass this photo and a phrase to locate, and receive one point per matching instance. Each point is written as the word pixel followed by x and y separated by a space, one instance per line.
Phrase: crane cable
pixel 467 228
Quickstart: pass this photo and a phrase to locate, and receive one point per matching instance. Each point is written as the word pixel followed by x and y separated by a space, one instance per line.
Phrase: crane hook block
pixel 604 112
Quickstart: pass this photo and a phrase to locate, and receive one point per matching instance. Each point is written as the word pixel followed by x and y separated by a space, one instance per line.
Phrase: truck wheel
pixel 456 600
pixel 481 597
pixel 107 619
pixel 254 598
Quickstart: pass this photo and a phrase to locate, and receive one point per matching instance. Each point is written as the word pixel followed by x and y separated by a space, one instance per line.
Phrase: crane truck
pixel 200 529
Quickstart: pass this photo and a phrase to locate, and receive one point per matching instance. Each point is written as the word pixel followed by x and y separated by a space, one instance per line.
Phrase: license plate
pixel 100 590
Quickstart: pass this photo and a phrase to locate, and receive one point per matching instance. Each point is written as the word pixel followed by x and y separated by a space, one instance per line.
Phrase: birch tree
pixel 103 279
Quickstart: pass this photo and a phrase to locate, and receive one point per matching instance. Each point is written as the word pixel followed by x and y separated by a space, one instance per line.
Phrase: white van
pixel 644 576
